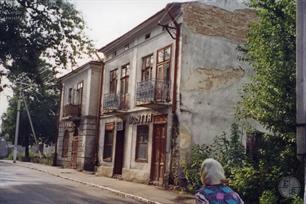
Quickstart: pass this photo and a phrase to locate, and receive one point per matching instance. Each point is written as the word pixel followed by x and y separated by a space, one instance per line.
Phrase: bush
pixel 192 169
pixel 297 200
pixel 11 156
pixel 229 152
pixel 34 157
pixel 268 197
pixel 253 180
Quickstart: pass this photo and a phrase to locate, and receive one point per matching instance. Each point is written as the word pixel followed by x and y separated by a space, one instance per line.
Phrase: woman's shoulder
pixel 215 189
pixel 221 192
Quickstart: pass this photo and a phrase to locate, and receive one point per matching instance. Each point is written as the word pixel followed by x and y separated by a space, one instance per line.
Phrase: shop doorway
pixel 74 152
pixel 119 153
pixel 158 153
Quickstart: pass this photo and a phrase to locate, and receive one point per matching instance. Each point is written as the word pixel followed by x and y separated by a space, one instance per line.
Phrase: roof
pixel 79 69
pixel 160 17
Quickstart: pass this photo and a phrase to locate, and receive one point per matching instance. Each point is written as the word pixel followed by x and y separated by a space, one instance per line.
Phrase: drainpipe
pixel 176 58
pixel 96 151
pixel 58 121
pixel 174 130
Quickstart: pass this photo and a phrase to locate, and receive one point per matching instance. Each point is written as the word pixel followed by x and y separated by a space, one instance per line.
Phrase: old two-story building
pixel 77 137
pixel 171 82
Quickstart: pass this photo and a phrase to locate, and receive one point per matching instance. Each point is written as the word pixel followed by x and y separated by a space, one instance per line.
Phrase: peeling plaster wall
pixel 211 73
pixel 87 128
pixel 140 47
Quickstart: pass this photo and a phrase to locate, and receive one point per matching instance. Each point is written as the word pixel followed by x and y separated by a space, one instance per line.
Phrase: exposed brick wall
pixel 214 21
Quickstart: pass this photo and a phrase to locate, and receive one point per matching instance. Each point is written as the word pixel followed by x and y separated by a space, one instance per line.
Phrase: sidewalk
pixel 146 193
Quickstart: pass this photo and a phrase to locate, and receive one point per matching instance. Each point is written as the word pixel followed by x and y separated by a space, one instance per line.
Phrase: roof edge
pixel 136 29
pixel 79 69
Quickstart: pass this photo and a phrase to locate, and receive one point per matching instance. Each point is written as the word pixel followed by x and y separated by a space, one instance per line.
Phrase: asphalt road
pixel 19 185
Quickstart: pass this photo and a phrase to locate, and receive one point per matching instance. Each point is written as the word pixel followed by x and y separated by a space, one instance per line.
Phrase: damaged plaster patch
pixel 185 143
pixel 213 21
pixel 209 79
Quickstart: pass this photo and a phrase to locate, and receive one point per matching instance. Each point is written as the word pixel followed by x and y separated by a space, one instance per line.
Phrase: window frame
pixel 113 78
pixel 80 86
pixel 65 144
pixel 164 62
pixel 145 68
pixel 125 77
pixel 109 130
pixel 137 159
pixel 70 96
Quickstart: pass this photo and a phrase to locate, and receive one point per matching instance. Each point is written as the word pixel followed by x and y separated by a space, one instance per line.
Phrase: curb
pixel 114 191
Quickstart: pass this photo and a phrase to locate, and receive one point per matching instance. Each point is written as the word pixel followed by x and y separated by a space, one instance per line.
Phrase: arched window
pixel 65 144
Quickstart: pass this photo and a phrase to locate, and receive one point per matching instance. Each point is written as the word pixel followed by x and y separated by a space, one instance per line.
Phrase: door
pixel 158 153
pixel 74 152
pixel 119 153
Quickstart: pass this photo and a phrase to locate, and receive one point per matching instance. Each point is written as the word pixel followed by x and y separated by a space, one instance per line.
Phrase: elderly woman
pixel 214 190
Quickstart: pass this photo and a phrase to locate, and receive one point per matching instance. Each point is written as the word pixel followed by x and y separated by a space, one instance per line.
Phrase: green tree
pixel 42 103
pixel 270 97
pixel 40 31
pixel 37 38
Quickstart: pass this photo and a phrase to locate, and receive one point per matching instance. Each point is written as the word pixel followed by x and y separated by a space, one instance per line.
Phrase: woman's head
pixel 212 172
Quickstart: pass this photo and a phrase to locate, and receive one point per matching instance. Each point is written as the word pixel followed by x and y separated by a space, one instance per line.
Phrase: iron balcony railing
pixel 153 91
pixel 72 110
pixel 111 102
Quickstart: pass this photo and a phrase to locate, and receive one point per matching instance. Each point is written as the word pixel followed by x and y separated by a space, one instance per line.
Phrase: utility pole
pixel 301 82
pixel 17 128
pixel 20 99
pixel 31 124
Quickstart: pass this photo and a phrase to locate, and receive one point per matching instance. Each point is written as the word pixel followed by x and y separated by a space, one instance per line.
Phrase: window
pixel 113 81
pixel 142 143
pixel 127 46
pixel 253 145
pixel 124 85
pixel 163 64
pixel 164 54
pixel 147 66
pixel 148 35
pixel 70 94
pixel 65 144
pixel 79 93
pixel 108 142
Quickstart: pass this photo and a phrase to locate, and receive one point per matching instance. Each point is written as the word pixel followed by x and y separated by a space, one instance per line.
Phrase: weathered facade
pixel 169 83
pixel 77 121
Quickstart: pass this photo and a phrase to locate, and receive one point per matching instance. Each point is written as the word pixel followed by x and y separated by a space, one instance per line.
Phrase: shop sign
pixel 119 126
pixel 160 119
pixel 141 119
pixel 68 125
pixel 109 126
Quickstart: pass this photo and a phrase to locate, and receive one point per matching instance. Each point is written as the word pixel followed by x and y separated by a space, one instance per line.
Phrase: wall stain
pixel 209 79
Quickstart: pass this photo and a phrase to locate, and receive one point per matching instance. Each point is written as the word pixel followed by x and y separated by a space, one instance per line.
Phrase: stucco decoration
pixel 209 79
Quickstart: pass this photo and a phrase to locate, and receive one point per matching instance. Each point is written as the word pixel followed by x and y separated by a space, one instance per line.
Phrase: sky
pixel 107 20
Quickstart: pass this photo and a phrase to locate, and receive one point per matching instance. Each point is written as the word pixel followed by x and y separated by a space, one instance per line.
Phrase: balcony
pixel 111 102
pixel 114 103
pixel 72 111
pixel 153 93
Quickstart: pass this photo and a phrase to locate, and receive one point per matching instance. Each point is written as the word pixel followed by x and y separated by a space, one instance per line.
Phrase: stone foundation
pixel 105 171
pixel 135 175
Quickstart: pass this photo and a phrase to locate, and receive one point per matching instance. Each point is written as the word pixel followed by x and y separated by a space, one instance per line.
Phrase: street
pixel 19 185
